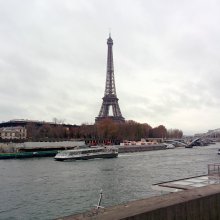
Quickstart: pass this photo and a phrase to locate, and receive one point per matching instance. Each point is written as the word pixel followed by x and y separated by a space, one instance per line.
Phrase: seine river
pixel 47 189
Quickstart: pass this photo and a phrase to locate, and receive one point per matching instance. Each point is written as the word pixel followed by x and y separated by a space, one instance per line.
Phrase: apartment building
pixel 12 133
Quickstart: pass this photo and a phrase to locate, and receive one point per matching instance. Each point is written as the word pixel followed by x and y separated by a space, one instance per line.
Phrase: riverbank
pixel 21 155
pixel 140 148
pixel 29 150
pixel 35 149
pixel 194 204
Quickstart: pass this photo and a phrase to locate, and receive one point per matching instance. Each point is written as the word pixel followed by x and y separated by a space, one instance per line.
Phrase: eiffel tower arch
pixel 110 98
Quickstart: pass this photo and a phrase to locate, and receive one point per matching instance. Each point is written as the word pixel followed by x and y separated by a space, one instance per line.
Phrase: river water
pixel 41 188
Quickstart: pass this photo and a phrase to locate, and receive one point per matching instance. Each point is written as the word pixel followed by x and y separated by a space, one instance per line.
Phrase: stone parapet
pixel 201 203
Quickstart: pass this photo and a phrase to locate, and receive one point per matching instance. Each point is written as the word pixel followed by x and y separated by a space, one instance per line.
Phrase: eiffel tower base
pixel 113 118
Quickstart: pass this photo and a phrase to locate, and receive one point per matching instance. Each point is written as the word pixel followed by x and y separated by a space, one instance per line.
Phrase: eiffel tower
pixel 110 97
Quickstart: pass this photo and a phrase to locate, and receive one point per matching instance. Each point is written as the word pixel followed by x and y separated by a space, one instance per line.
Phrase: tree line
pixel 106 129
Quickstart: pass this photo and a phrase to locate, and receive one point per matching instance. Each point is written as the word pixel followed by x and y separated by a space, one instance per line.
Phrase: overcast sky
pixel 53 58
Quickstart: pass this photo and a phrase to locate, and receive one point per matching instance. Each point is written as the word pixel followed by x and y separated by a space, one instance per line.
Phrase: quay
pixel 46 150
pixel 139 148
pixel 34 149
pixel 213 177
pixel 195 198
pixel 194 204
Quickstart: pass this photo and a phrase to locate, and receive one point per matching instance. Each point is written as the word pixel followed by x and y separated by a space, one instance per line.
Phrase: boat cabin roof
pixel 88 149
pixel 85 149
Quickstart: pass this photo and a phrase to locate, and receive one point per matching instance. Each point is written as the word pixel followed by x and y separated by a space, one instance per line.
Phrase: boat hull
pixel 88 157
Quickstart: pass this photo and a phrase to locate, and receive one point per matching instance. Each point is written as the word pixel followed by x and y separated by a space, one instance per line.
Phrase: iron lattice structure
pixel 110 97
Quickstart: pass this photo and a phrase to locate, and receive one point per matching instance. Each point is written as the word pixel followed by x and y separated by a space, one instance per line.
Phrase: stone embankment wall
pixel 196 204
pixel 139 148
pixel 7 148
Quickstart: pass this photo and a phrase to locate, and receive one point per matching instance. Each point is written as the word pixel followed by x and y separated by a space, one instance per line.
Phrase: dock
pixel 212 177
pixel 195 198
pixel 195 204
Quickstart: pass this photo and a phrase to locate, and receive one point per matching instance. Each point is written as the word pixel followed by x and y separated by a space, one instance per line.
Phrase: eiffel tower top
pixel 110 41
pixel 110 89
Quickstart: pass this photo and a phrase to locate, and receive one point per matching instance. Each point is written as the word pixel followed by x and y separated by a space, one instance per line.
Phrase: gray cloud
pixel 166 55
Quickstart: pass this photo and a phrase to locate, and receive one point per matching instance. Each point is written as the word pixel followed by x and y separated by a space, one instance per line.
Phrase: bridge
pixel 206 138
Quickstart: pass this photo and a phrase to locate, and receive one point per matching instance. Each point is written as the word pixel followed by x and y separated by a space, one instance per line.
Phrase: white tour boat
pixel 87 153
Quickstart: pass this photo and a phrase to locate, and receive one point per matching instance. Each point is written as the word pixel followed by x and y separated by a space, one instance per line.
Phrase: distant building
pixel 26 122
pixel 13 133
pixel 199 135
pixel 26 129
pixel 215 133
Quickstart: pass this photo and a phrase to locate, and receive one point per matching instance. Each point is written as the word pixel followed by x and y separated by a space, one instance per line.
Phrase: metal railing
pixel 214 169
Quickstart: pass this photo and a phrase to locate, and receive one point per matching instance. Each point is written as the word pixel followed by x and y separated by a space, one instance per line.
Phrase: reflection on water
pixel 41 188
